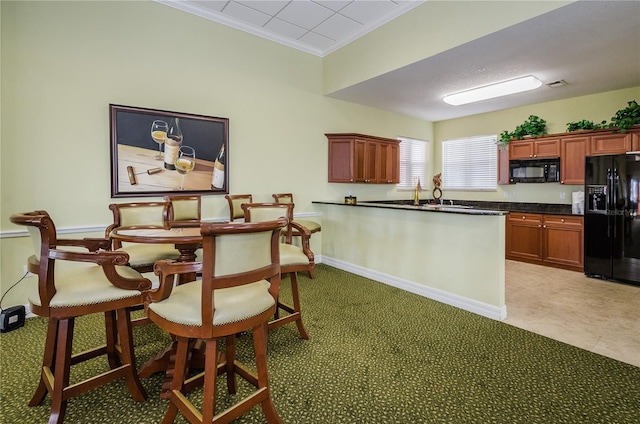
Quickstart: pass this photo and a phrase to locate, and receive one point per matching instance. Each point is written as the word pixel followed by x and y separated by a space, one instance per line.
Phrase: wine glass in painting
pixel 186 162
pixel 159 134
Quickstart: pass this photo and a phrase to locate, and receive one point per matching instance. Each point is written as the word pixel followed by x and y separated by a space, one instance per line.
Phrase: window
pixel 413 162
pixel 470 163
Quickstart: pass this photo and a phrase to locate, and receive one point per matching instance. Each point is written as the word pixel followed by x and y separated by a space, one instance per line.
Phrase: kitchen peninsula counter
pixel 455 255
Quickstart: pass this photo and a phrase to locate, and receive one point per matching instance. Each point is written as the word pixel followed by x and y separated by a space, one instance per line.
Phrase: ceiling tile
pixel 270 7
pixel 305 14
pixel 334 5
pixel 336 27
pixel 284 28
pixel 211 5
pixel 246 14
pixel 366 11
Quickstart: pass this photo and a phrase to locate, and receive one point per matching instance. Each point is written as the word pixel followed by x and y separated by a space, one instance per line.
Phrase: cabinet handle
pixel 544 226
pixel 562 220
pixel 524 217
pixel 561 182
pixel 539 226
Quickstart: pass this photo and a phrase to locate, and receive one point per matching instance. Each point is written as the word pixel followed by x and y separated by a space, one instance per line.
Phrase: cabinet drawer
pixel 563 221
pixel 525 218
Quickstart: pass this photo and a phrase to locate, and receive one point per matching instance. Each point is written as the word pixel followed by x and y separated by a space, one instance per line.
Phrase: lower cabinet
pixel 552 240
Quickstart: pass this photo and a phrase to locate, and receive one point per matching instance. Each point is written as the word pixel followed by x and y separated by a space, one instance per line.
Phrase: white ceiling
pixel 592 45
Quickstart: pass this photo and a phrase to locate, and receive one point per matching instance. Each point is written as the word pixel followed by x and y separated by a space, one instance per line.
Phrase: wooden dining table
pixel 186 240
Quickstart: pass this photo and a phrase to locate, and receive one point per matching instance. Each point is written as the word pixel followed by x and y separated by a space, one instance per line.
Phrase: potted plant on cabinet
pixel 532 127
pixel 627 117
pixel 585 125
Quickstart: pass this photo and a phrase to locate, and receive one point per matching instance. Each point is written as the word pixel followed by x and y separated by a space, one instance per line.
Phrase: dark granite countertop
pixel 469 207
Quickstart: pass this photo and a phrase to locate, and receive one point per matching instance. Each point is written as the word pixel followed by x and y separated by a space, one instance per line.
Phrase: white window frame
pixel 414 160
pixel 470 163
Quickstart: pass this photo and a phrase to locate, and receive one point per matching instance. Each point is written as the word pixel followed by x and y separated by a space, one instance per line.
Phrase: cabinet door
pixel 341 161
pixel 360 161
pixel 563 241
pixel 610 144
pixel 548 148
pixel 373 158
pixel 503 166
pixel 389 172
pixel 524 236
pixel 521 149
pixel 573 152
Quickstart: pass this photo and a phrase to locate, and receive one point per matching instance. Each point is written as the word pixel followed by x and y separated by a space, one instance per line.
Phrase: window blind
pixel 413 162
pixel 470 163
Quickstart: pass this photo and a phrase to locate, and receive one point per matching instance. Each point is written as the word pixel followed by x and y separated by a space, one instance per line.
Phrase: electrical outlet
pixel 563 194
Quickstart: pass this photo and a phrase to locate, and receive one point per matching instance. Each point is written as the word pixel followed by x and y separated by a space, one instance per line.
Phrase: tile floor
pixel 596 315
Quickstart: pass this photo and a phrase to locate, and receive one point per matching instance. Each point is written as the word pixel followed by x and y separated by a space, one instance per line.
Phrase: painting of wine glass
pixel 139 167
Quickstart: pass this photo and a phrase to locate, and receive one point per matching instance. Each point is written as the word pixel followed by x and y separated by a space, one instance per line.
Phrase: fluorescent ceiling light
pixel 504 88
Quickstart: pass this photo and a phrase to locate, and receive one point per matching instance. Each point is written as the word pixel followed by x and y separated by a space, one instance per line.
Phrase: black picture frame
pixel 136 170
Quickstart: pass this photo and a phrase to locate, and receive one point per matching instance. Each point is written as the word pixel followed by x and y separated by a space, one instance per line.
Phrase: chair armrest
pixel 91 244
pixel 305 236
pixel 108 260
pixel 166 270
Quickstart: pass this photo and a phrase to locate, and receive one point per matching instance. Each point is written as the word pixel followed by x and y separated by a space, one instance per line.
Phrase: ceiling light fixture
pixel 490 91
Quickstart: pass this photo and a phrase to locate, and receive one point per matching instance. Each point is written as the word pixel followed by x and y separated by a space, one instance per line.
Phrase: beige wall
pixel 63 63
pixel 595 107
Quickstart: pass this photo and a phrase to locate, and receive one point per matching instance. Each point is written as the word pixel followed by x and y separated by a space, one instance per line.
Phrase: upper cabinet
pixel 534 149
pixel 573 151
pixel 610 144
pixel 359 158
pixel 572 148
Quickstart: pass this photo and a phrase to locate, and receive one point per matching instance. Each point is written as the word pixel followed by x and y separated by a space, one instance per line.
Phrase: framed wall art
pixel 156 152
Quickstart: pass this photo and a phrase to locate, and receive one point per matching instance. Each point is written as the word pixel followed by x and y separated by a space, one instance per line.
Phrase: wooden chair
pixel 106 286
pixel 292 258
pixel 235 205
pixel 142 214
pixel 313 226
pixel 238 291
pixel 183 210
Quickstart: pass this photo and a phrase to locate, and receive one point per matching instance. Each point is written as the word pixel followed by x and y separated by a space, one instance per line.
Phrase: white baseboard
pixel 480 308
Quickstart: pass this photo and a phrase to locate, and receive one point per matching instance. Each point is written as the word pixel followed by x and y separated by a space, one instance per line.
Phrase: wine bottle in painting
pixel 217 180
pixel 172 144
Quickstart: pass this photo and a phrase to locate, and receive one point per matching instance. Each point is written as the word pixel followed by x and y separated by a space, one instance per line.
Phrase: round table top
pixel 157 235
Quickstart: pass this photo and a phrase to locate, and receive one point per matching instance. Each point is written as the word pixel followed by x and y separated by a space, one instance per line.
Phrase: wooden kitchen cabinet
pixel 610 144
pixel 534 149
pixel 562 241
pixel 524 237
pixel 552 240
pixel 573 151
pixel 503 167
pixel 359 158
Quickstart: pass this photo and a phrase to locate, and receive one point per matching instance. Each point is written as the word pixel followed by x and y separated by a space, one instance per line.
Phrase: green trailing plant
pixel 533 126
pixel 627 117
pixel 585 125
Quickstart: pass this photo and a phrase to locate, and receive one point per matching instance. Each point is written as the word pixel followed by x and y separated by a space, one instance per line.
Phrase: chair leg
pixel 48 359
pixel 210 375
pixel 260 348
pixel 62 370
pixel 112 339
pixel 296 306
pixel 123 318
pixel 295 311
pixel 179 373
pixel 230 355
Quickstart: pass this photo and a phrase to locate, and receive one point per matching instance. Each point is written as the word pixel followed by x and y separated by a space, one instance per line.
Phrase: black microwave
pixel 534 171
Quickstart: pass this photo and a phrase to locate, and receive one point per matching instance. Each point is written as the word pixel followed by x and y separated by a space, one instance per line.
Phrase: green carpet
pixel 377 354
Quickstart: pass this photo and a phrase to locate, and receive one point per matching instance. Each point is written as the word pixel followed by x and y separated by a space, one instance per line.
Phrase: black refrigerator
pixel 611 221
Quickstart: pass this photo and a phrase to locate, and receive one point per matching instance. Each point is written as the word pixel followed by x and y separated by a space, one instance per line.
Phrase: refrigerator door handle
pixel 608 201
pixel 614 193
